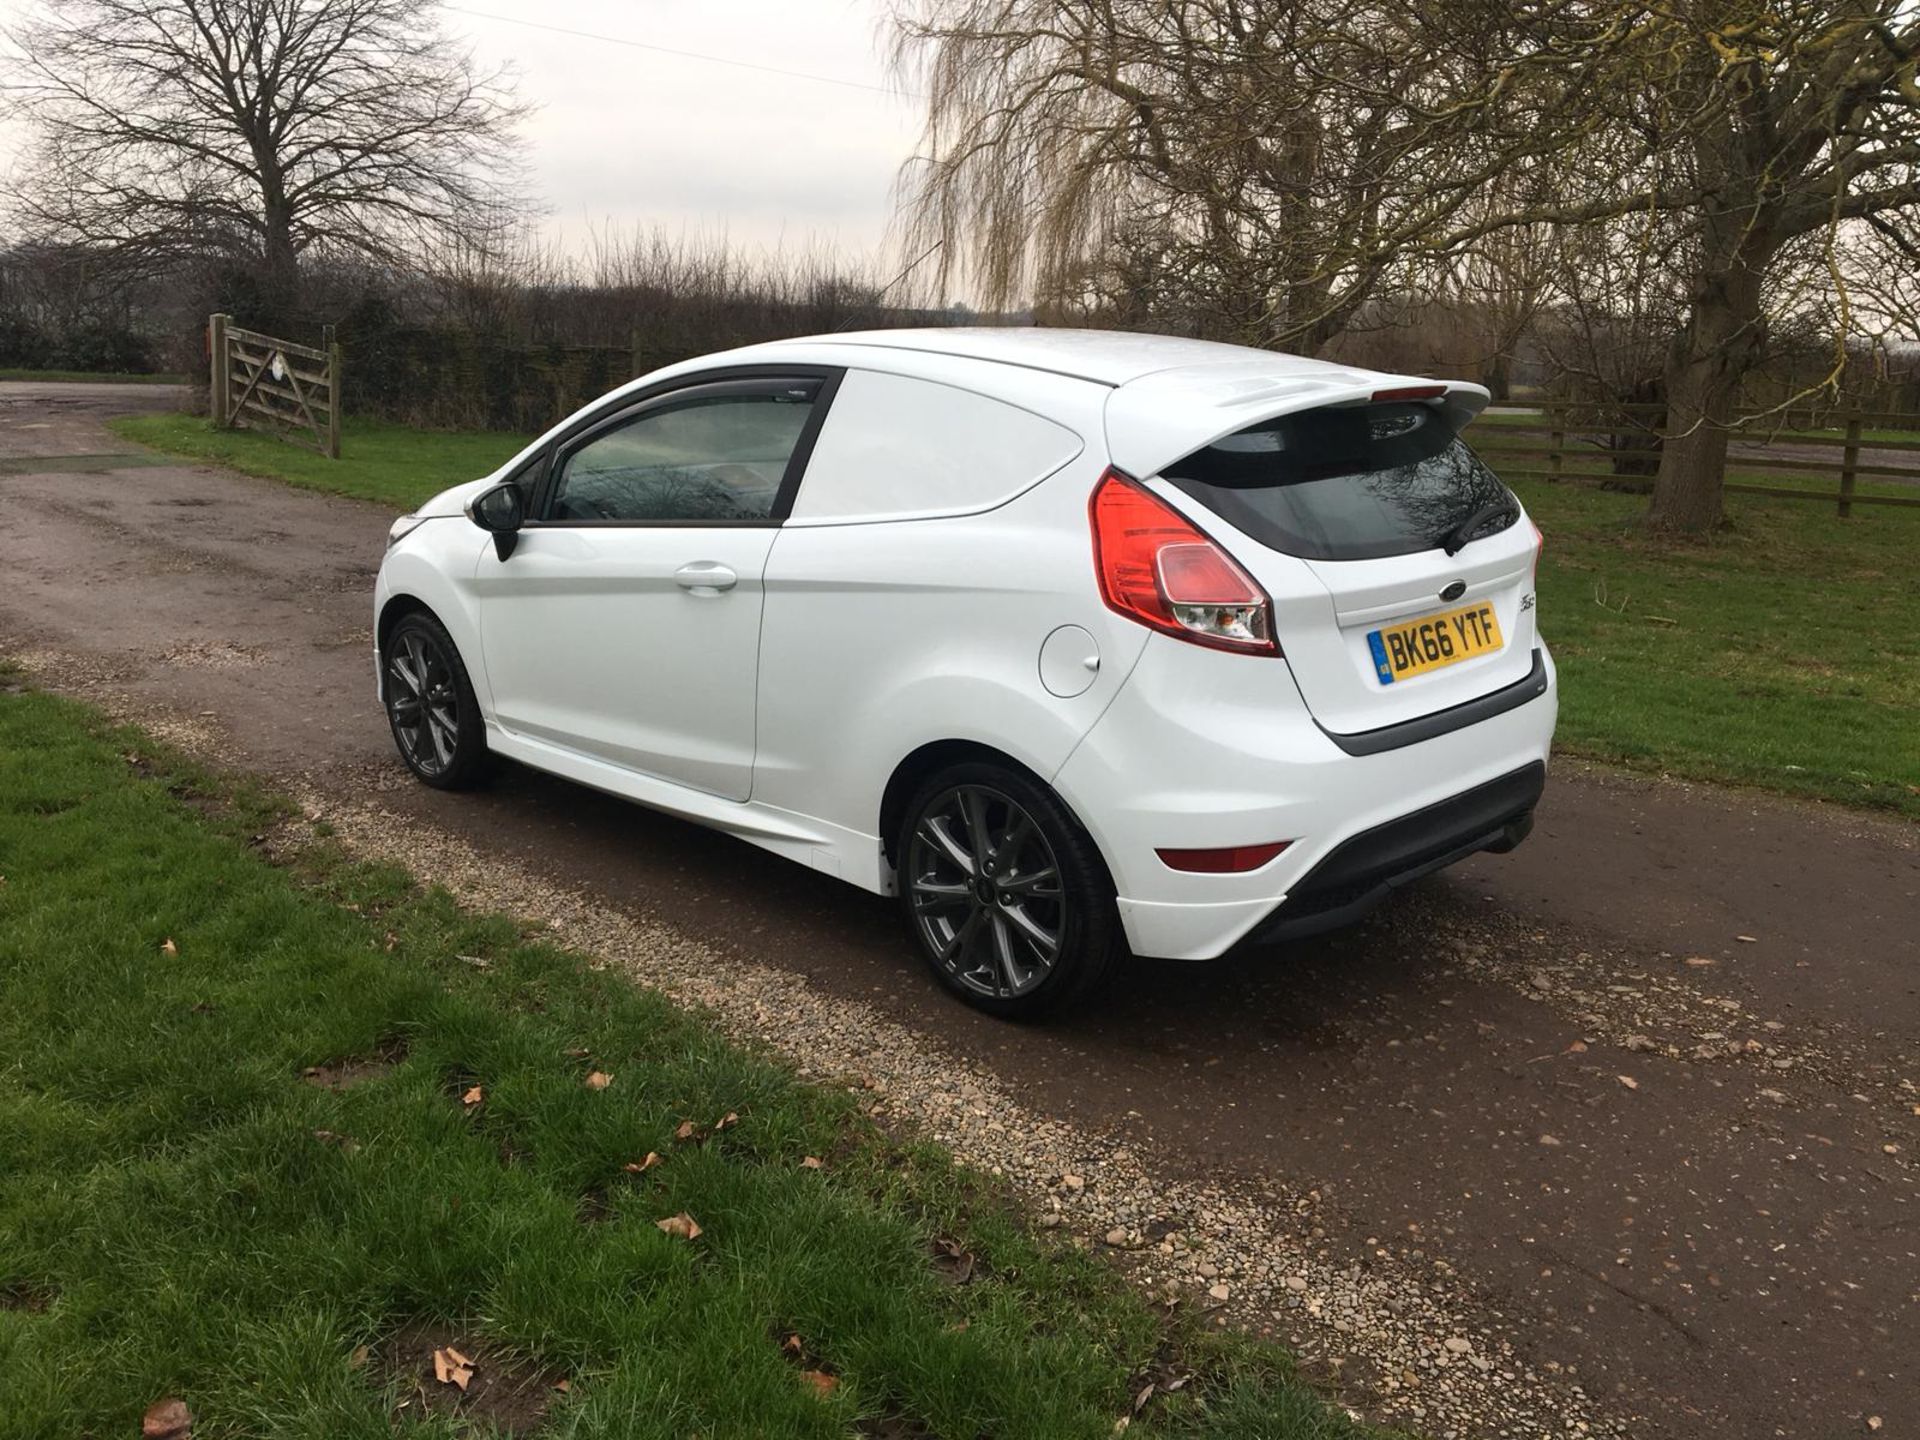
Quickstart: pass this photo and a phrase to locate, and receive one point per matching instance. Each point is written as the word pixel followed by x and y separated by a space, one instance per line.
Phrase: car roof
pixel 1106 357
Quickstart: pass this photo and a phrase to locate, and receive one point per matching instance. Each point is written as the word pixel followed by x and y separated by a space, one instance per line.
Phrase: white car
pixel 1077 642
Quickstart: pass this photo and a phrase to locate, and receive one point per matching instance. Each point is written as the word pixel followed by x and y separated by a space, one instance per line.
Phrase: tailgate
pixel 1400 568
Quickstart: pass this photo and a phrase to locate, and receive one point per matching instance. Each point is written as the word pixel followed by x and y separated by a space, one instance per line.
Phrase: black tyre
pixel 1006 895
pixel 430 704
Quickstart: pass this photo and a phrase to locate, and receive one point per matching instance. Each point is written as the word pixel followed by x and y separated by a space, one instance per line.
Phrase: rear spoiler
pixel 1159 418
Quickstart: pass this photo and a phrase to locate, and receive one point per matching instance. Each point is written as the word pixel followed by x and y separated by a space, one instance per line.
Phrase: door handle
pixel 705 577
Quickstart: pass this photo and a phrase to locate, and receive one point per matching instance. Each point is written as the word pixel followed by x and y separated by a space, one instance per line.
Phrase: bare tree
pixel 1763 133
pixel 1285 158
pixel 261 129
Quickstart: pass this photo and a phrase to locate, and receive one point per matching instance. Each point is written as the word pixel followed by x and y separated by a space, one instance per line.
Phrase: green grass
pixel 1785 653
pixel 182 1214
pixel 395 465
pixel 113 377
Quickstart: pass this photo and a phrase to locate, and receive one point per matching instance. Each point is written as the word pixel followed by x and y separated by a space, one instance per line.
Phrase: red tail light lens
pixel 1157 568
pixel 1232 860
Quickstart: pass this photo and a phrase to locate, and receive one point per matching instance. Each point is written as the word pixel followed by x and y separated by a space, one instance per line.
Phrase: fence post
pixel 1849 458
pixel 333 393
pixel 218 382
pixel 1556 442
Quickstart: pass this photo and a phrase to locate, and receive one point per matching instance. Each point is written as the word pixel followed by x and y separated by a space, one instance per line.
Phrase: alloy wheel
pixel 422 701
pixel 985 891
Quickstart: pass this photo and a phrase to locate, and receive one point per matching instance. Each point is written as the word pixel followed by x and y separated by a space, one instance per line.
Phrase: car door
pixel 625 623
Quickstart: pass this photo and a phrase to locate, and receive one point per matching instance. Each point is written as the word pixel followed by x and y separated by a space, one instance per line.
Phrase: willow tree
pixel 257 128
pixel 1261 167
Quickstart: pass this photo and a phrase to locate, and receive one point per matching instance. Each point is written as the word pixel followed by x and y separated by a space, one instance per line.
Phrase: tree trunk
pixel 1721 342
pixel 280 276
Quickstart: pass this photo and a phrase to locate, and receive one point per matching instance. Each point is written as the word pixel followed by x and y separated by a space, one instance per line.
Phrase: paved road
pixel 1729 1248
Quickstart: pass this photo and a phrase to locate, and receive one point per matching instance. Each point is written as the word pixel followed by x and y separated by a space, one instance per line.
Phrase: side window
pixel 713 457
pixel 895 446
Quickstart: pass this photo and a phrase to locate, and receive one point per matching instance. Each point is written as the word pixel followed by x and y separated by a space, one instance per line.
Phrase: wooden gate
pixel 272 384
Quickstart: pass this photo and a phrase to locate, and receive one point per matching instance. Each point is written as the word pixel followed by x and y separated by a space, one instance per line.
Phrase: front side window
pixel 1345 483
pixel 711 457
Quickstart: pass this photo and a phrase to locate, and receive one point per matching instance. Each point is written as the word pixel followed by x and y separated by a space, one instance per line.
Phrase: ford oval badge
pixel 1454 590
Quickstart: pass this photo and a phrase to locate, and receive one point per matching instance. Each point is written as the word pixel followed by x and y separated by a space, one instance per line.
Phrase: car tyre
pixel 430 703
pixel 1030 932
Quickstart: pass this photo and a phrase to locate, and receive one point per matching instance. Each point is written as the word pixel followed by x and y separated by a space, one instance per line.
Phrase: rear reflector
pixel 1155 566
pixel 1412 392
pixel 1233 860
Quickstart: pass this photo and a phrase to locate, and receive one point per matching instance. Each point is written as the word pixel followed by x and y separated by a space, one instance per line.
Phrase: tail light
pixel 1157 568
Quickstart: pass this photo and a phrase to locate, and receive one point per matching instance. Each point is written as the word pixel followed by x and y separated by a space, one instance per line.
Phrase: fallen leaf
pixel 730 1118
pixel 1140 1400
pixel 457 1358
pixel 823 1383
pixel 461 1376
pixel 563 1386
pixel 168 1419
pixel 1628 1081
pixel 441 1366
pixel 167 947
pixel 599 1080
pixel 346 1144
pixel 686 1131
pixel 682 1226
pixel 1578 1047
pixel 577 1053
pixel 359 1357
pixel 474 1096
pixel 640 1167
pixel 812 1162
pixel 792 1344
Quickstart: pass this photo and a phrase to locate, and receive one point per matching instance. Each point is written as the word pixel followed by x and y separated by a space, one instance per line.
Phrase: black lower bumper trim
pixel 1364 869
pixel 1442 722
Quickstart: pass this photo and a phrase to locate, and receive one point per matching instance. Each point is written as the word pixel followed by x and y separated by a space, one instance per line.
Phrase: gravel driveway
pixel 1615 1134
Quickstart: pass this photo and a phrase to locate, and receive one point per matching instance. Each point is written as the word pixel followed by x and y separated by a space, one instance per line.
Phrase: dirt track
pixel 1728 1247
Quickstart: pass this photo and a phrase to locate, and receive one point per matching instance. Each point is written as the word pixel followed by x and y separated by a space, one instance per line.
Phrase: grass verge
pixel 394 465
pixel 272 1136
pixel 1784 653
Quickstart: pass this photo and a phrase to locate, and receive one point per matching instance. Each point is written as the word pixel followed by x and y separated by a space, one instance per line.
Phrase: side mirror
pixel 500 512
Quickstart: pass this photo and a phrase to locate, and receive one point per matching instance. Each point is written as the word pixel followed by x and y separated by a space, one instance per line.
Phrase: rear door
pixel 1400 567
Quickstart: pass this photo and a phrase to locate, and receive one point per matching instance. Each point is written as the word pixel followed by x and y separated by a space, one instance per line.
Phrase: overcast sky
pixel 626 135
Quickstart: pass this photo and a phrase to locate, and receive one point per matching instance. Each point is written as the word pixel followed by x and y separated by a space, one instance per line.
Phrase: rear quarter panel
pixel 881 638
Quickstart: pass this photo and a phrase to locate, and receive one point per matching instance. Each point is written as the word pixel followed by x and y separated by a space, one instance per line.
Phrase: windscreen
pixel 1347 483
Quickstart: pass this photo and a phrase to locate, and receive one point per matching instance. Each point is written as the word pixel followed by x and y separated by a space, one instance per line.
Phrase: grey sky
pixel 628 136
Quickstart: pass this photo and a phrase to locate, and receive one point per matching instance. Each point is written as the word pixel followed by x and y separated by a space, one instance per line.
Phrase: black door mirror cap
pixel 500 511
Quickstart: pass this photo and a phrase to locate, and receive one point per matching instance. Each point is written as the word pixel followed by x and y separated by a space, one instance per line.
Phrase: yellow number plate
pixel 1432 642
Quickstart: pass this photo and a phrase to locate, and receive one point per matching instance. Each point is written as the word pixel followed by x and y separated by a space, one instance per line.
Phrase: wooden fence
pixel 261 378
pixel 1566 440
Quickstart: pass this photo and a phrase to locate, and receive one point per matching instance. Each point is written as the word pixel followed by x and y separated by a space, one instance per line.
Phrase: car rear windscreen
pixel 1346 483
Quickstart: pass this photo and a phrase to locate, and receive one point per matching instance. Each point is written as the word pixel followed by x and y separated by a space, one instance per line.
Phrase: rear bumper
pixel 1200 750
pixel 1363 871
